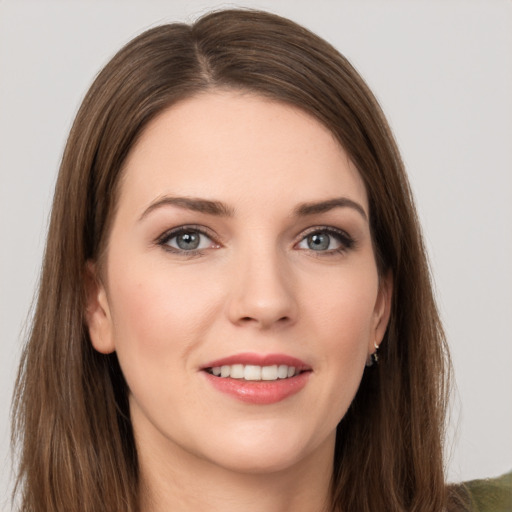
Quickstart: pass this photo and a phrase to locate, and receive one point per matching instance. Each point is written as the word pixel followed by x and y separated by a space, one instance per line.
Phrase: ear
pixel 382 310
pixel 97 312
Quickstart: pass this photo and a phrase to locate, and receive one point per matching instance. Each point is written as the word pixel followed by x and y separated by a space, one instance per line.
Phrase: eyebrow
pixel 315 208
pixel 220 209
pixel 190 203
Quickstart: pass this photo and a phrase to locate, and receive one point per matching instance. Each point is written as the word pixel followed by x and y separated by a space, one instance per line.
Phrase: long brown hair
pixel 71 421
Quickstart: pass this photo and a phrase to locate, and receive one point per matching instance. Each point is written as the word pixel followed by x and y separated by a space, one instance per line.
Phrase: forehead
pixel 239 147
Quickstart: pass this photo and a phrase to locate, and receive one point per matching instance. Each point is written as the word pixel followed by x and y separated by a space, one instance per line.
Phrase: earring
pixel 374 357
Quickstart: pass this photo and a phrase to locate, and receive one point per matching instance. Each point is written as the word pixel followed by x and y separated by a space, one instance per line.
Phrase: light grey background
pixel 442 71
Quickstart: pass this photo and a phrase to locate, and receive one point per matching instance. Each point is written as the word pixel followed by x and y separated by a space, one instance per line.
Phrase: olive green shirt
pixel 491 495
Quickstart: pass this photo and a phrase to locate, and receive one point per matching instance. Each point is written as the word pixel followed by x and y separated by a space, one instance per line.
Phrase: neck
pixel 186 483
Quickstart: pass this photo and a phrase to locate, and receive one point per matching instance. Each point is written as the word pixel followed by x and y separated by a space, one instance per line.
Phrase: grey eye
pixel 188 241
pixel 326 240
pixel 318 241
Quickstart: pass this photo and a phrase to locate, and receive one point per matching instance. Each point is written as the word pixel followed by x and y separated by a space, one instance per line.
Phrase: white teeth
pixel 237 371
pixel 254 372
pixel 282 371
pixel 269 373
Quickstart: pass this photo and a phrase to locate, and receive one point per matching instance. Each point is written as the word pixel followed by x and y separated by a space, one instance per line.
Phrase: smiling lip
pixel 259 392
pixel 259 360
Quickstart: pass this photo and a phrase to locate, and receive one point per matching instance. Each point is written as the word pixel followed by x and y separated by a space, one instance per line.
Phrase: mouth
pixel 251 372
pixel 258 379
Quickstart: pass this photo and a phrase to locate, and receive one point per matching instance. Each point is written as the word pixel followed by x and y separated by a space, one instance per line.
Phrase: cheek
pixel 147 300
pixel 158 317
pixel 344 322
pixel 345 312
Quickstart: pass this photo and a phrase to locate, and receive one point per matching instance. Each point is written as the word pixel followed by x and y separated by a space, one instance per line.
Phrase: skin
pixel 256 285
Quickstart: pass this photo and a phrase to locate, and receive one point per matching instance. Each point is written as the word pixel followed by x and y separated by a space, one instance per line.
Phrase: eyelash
pixel 344 239
pixel 164 239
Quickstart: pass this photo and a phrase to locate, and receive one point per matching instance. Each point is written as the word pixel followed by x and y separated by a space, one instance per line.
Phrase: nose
pixel 262 292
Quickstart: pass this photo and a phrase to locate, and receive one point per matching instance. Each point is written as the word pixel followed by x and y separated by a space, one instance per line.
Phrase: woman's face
pixel 240 246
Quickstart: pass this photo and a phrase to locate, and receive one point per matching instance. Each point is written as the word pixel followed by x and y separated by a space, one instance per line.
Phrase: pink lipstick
pixel 256 378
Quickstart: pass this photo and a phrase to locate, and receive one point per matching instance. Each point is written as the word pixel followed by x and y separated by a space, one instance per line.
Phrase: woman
pixel 235 307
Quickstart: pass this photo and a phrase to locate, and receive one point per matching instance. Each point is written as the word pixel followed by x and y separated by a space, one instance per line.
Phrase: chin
pixel 266 451
pixel 258 461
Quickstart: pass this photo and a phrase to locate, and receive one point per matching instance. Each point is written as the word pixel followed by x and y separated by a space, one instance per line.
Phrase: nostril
pixel 264 322
pixel 263 307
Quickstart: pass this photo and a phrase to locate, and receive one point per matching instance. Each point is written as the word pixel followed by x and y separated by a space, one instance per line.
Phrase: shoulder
pixel 490 494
